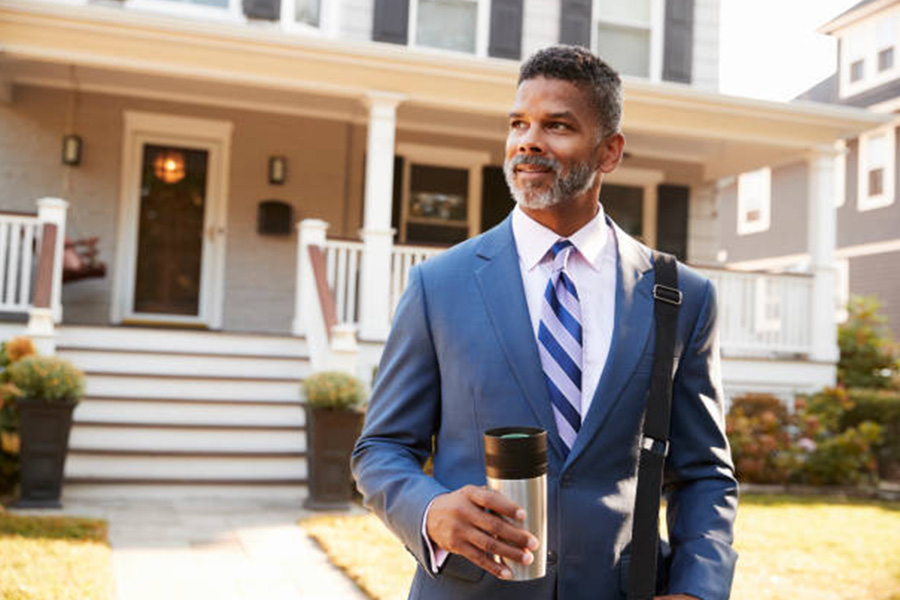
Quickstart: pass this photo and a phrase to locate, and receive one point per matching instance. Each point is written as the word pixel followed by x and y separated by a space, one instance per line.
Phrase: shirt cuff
pixel 436 555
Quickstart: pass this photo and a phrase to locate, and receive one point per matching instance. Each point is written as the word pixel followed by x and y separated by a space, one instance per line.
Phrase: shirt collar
pixel 534 240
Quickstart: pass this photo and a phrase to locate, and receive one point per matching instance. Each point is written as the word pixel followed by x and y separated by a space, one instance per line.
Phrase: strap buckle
pixel 667 294
pixel 655 446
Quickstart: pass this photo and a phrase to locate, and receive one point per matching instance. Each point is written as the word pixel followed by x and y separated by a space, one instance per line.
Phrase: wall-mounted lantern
pixel 277 170
pixel 71 150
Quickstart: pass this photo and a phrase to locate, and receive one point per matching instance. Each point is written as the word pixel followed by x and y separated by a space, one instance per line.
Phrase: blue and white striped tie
pixel 560 345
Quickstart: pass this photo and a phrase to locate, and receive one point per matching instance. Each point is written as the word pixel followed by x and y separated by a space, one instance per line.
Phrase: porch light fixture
pixel 168 166
pixel 277 170
pixel 71 150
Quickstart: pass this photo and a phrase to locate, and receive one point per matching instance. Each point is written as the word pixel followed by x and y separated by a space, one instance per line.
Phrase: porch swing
pixel 80 260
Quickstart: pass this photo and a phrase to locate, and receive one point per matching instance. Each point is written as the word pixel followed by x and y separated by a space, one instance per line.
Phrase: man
pixel 546 320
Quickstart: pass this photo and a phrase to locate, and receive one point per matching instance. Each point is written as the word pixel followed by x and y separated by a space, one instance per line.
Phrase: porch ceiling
pixel 119 51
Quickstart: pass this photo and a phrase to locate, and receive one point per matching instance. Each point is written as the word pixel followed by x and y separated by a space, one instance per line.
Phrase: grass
pixel 791 548
pixel 59 558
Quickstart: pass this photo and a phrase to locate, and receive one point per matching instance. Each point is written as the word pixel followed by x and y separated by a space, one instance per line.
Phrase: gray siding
pixel 878 225
pixel 874 276
pixel 705 73
pixel 788 220
pixel 259 279
pixel 882 93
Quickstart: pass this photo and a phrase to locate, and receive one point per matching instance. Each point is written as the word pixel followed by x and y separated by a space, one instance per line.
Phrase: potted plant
pixel 11 352
pixel 334 417
pixel 48 390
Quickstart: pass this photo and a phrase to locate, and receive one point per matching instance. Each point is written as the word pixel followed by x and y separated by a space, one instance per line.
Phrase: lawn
pixel 790 549
pixel 58 558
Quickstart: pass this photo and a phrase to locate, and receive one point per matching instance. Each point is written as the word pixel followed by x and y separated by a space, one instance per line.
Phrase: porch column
pixel 822 223
pixel 703 225
pixel 377 234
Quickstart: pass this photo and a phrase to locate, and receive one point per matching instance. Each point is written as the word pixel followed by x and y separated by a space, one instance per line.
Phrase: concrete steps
pixel 186 413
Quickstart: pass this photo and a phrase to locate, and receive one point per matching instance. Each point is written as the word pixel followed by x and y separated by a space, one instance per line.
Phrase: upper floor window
pixel 868 53
pixel 307 12
pixel 628 35
pixel 876 169
pixel 754 200
pixel 456 25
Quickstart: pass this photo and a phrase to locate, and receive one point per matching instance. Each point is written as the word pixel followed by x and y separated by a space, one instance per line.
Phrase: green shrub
pixel 868 356
pixel 882 407
pixel 334 390
pixel 757 428
pixel 47 378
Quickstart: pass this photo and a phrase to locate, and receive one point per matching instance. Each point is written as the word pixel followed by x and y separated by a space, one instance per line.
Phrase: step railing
pixel 404 258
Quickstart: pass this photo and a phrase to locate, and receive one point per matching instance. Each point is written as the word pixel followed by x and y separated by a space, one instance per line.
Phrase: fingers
pixel 477 557
pixel 495 502
pixel 499 528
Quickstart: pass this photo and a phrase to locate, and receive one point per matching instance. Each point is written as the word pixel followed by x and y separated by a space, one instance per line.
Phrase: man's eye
pixel 516 124
pixel 558 126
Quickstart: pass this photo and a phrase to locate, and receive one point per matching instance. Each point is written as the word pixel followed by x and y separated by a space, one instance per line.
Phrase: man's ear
pixel 611 149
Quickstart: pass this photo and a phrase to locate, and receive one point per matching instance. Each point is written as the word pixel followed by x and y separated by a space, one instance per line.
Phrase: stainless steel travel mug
pixel 516 465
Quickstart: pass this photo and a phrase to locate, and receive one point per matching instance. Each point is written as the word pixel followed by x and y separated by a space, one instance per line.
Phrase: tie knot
pixel 561 251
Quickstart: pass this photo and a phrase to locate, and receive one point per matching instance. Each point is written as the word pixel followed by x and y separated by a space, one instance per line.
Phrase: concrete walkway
pixel 227 550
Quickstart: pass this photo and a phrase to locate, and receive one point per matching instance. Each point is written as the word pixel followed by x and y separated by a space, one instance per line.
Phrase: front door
pixel 172 233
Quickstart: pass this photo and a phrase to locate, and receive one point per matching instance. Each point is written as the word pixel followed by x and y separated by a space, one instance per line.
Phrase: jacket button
pixel 551 557
pixel 566 481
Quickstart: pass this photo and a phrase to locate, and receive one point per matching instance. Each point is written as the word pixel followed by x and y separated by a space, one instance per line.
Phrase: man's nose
pixel 530 142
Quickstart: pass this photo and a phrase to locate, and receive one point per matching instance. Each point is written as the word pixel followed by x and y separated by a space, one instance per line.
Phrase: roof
pixel 825 91
pixel 858 11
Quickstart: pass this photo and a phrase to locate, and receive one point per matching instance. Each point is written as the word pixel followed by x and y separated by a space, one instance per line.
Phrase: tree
pixel 868 354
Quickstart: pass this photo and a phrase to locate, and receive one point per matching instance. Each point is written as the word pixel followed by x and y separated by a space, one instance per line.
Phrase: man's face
pixel 553 147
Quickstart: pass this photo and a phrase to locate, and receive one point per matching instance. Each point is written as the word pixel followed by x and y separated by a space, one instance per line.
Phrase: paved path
pixel 227 550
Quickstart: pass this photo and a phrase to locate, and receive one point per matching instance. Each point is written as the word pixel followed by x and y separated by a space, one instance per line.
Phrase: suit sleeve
pixel 700 485
pixel 403 415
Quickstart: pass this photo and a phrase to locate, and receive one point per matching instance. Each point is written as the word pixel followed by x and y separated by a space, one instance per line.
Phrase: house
pixel 762 211
pixel 191 136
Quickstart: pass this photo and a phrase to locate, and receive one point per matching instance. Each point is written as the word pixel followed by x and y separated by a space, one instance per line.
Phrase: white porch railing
pixel 760 314
pixel 18 252
pixel 763 314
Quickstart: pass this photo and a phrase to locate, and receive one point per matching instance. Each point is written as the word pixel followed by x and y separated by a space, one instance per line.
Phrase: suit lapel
pixel 500 282
pixel 633 318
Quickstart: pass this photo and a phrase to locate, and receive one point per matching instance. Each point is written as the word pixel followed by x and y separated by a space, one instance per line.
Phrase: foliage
pixel 868 356
pixel 334 390
pixel 812 446
pixel 15 349
pixel 882 407
pixel 757 430
pixel 47 378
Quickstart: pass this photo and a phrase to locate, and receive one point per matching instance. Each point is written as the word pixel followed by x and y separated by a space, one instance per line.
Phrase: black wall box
pixel 275 218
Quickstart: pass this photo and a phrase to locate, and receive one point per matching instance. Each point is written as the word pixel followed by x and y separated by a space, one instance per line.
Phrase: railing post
pixel 311 233
pixel 822 219
pixel 53 210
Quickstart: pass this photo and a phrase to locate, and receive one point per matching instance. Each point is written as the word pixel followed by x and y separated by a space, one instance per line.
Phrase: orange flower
pixel 19 347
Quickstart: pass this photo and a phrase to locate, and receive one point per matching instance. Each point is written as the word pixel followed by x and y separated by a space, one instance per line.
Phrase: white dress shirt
pixel 593 271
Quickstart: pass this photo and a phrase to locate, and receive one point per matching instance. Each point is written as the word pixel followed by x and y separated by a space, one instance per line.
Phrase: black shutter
pixel 263 9
pixel 678 49
pixel 575 23
pixel 391 22
pixel 496 201
pixel 672 219
pixel 506 29
pixel 397 198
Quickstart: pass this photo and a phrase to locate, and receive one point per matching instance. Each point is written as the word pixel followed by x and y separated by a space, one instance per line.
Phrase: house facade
pixel 212 145
pixel 762 211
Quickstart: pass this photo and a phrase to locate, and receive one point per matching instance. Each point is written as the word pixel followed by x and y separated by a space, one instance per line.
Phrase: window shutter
pixel 506 29
pixel 263 9
pixel 575 23
pixel 391 22
pixel 678 49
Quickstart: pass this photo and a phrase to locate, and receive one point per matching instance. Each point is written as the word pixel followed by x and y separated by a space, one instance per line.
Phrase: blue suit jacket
pixel 462 358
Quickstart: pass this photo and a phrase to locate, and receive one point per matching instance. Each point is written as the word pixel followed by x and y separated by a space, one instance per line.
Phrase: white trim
pixel 766 289
pixel 745 227
pixel 439 156
pixel 886 198
pixel 842 284
pixel 860 41
pixel 780 262
pixel 232 13
pixel 840 173
pixel 213 136
pixel 482 30
pixel 329 19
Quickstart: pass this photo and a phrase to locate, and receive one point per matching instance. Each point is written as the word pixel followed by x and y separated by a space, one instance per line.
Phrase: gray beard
pixel 576 181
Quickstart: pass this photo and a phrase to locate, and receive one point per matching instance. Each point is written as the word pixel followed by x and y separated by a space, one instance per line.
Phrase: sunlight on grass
pixel 57 558
pixel 790 548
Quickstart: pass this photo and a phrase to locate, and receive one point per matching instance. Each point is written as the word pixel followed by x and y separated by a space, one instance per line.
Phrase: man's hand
pixel 459 522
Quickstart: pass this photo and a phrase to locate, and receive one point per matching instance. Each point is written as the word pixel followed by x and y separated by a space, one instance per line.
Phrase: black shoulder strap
pixel 655 438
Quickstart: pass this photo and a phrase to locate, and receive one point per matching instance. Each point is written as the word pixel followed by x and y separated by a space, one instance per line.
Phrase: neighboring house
pixel 207 129
pixel 762 212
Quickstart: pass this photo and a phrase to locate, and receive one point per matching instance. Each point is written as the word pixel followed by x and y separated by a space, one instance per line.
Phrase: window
pixel 624 35
pixel 876 169
pixel 229 10
pixel 857 70
pixel 754 196
pixel 886 59
pixel 307 12
pixel 455 25
pixel 309 16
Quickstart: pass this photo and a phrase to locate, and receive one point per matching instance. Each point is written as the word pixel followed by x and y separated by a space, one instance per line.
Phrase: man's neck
pixel 568 216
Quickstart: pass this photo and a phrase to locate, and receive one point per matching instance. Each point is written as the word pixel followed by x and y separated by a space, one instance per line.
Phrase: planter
pixel 330 436
pixel 44 428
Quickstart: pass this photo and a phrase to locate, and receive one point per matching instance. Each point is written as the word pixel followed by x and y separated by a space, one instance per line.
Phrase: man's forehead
pixel 550 96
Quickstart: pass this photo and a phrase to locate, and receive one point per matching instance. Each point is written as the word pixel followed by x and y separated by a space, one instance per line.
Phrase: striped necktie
pixel 560 345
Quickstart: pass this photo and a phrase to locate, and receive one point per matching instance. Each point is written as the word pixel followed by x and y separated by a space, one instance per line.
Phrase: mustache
pixel 534 161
